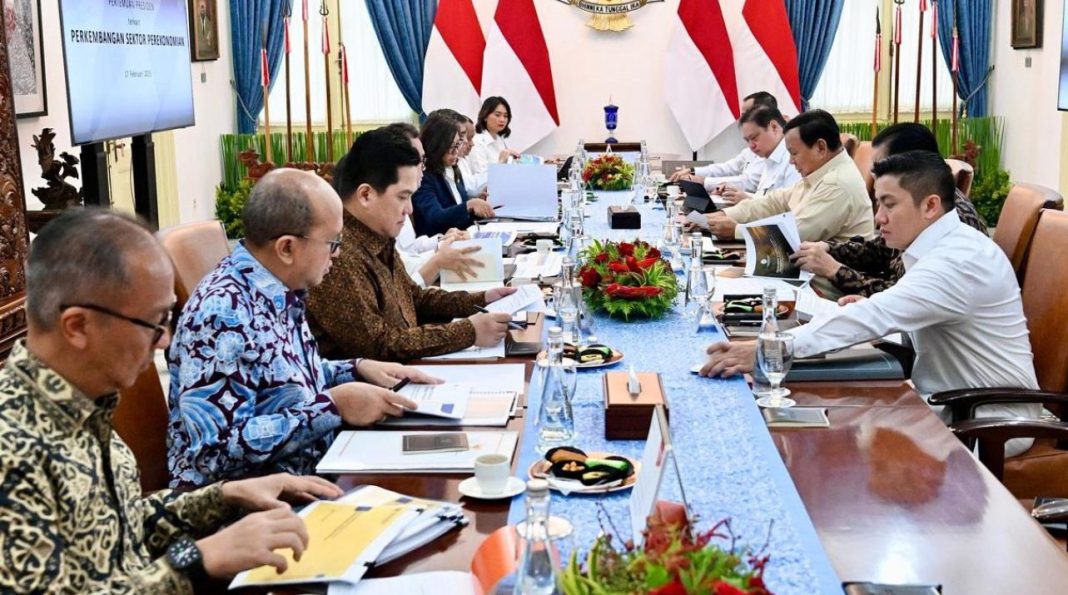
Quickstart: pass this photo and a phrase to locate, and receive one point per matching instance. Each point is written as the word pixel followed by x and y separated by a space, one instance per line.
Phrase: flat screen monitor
pixel 1062 94
pixel 127 64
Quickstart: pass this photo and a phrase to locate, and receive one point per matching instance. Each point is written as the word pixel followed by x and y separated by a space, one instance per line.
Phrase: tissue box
pixel 627 417
pixel 624 218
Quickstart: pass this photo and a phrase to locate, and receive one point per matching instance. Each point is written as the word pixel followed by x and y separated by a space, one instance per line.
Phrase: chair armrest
pixel 992 433
pixel 962 402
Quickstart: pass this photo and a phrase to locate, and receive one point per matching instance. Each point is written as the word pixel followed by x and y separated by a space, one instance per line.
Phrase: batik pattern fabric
pixel 72 515
pixel 248 393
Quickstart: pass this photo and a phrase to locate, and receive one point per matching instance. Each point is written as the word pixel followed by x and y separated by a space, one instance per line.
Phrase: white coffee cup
pixel 544 246
pixel 492 472
pixel 672 192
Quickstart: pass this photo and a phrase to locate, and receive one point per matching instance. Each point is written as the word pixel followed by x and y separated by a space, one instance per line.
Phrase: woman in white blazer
pixel 492 129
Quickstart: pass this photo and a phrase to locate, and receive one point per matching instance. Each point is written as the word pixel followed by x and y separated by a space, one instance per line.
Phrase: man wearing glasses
pixel 72 515
pixel 249 392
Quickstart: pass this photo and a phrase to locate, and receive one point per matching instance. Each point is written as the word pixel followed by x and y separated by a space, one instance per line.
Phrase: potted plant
pixel 608 172
pixel 626 279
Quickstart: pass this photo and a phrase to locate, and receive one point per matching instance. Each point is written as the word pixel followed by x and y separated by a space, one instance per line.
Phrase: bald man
pixel 72 515
pixel 250 393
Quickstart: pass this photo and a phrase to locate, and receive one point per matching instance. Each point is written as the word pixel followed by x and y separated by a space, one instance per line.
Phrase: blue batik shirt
pixel 248 387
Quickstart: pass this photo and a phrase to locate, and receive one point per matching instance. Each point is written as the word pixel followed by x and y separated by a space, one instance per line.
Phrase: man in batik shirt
pixel 72 515
pixel 866 267
pixel 249 392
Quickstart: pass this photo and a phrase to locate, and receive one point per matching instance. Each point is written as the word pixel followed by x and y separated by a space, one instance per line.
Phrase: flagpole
pixel 877 66
pixel 265 80
pixel 954 73
pixel 324 11
pixel 309 140
pixel 919 58
pixel 934 67
pixel 897 57
pixel 289 94
pixel 343 72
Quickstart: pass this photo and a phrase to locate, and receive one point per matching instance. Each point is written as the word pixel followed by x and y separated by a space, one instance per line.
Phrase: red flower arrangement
pixel 608 172
pixel 627 278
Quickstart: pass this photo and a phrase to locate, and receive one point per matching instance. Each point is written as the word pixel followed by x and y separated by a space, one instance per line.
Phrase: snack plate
pixel 541 467
pixel 615 358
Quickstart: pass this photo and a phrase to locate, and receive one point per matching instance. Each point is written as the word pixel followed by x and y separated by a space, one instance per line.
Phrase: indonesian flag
pixel 517 68
pixel 764 48
pixel 700 53
pixel 452 68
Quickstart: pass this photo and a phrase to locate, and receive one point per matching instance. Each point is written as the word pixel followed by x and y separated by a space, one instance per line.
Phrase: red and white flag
pixel 764 49
pixel 517 68
pixel 700 53
pixel 452 68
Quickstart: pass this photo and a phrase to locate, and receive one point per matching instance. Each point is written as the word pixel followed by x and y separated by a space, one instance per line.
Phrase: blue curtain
pixel 247 18
pixel 403 29
pixel 814 24
pixel 974 20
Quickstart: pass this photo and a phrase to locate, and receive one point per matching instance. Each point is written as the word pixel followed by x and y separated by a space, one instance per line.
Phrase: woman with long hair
pixel 440 203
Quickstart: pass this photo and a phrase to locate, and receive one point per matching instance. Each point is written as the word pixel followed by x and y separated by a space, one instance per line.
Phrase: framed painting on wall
pixel 1026 24
pixel 204 29
pixel 22 23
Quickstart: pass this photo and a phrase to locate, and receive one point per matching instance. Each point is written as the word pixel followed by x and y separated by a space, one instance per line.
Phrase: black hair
pixel 762 116
pixel 762 98
pixel 438 134
pixel 488 107
pixel 921 173
pixel 404 128
pixel 905 136
pixel 814 125
pixel 374 159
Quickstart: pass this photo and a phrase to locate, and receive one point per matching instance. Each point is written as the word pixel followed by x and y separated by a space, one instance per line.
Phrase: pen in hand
pixel 403 383
pixel 511 323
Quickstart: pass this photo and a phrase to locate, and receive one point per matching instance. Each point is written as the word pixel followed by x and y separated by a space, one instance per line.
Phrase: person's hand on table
pixel 814 258
pixel 456 260
pixel 252 541
pixel 721 226
pixel 390 373
pixel 728 359
pixel 497 293
pixel 480 208
pixel 679 174
pixel 456 234
pixel 731 194
pixel 505 154
pixel 362 404
pixel 490 327
pixel 276 491
pixel 850 299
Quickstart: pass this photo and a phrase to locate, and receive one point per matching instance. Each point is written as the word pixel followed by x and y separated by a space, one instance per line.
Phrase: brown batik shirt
pixel 870 266
pixel 368 306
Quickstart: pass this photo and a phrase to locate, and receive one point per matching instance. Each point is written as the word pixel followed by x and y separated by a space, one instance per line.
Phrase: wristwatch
pixel 184 556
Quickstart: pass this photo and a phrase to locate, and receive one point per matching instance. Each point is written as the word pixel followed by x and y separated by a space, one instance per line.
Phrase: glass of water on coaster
pixel 775 354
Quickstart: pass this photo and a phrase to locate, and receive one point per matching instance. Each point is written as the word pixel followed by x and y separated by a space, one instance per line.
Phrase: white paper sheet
pixel 447 400
pixel 542 228
pixel 422 583
pixel 488 276
pixel 480 377
pixel 536 265
pixel 809 305
pixel 381 452
pixel 697 218
pixel 474 352
pixel 506 237
pixel 765 253
pixel 523 191
pixel 525 296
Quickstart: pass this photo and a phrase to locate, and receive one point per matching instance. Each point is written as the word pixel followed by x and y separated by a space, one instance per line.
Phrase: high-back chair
pixel 849 142
pixel 963 175
pixel 1019 216
pixel 141 421
pixel 1043 469
pixel 195 249
pixel 862 156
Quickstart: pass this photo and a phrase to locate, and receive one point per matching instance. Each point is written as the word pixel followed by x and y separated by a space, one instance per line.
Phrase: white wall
pixel 1026 97
pixel 197 148
pixel 590 66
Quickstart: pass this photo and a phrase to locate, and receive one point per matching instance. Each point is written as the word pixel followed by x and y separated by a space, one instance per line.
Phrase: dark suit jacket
pixel 435 208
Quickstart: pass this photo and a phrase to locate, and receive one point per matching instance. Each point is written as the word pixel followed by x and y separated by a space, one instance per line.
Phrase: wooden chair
pixel 963 174
pixel 850 142
pixel 195 249
pixel 1019 216
pixel 1043 469
pixel 141 421
pixel 862 156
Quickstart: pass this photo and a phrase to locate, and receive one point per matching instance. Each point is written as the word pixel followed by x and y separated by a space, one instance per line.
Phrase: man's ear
pixel 284 248
pixel 821 146
pixel 73 325
pixel 931 205
pixel 365 195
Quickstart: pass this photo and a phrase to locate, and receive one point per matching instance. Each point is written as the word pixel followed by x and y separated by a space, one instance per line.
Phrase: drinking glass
pixel 775 354
pixel 697 293
pixel 567 312
pixel 673 242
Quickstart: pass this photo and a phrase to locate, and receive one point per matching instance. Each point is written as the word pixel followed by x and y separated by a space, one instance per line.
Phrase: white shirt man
pixel 743 172
pixel 778 171
pixel 958 301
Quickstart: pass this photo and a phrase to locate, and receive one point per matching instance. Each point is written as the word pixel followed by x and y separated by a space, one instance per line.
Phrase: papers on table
pixel 506 237
pixel 527 298
pixel 698 218
pixel 474 352
pixel 481 377
pixel 536 265
pixel 343 540
pixel 381 452
pixel 495 390
pixel 769 243
pixel 488 276
pixel 809 305
pixel 435 518
pixel 523 191
pixel 539 228
pixel 752 285
pixel 447 400
pixel 454 582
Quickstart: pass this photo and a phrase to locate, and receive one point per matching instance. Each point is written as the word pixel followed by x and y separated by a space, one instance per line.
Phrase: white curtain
pixel 374 94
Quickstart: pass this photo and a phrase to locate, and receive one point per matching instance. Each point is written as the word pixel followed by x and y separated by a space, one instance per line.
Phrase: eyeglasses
pixel 334 244
pixel 158 329
pixel 456 146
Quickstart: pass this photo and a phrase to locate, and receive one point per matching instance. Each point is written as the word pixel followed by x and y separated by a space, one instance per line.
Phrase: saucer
pixel 470 488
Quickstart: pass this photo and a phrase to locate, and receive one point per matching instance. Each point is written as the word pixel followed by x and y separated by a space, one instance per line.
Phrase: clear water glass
pixel 775 354
pixel 697 293
pixel 567 312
